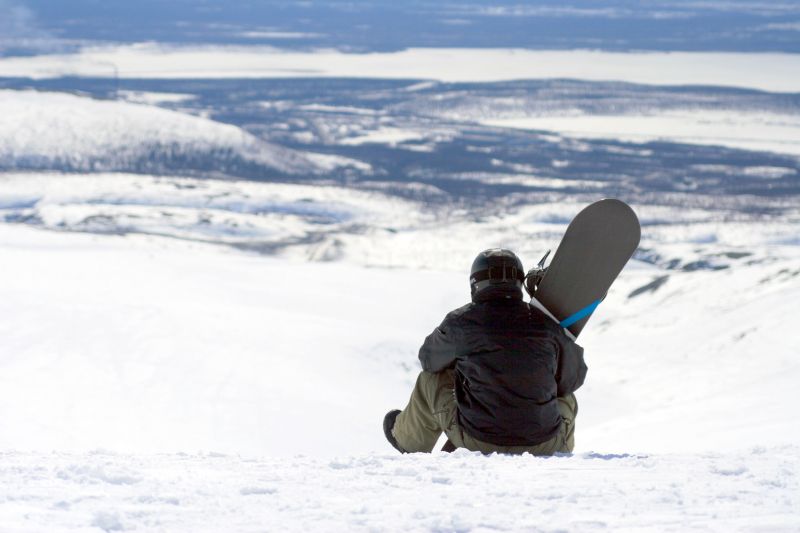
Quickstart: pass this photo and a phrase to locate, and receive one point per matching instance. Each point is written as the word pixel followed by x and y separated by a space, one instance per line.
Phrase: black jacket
pixel 511 362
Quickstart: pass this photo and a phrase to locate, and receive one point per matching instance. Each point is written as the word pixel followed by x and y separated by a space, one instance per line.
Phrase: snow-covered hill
pixel 44 130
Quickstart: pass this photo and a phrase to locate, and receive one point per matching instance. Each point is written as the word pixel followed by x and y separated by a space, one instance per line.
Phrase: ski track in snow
pixel 757 490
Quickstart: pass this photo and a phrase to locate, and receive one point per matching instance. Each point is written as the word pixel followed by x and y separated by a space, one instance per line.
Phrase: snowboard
pixel 596 246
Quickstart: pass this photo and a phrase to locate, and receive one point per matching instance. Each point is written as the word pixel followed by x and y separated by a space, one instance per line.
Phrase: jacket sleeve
pixel 439 349
pixel 571 367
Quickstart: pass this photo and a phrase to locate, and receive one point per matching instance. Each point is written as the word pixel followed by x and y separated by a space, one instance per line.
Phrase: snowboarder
pixel 498 374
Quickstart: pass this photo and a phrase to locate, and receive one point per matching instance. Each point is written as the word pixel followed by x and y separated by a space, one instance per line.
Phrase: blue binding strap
pixel 583 313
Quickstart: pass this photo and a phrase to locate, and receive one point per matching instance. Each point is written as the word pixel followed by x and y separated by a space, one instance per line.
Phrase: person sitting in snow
pixel 498 374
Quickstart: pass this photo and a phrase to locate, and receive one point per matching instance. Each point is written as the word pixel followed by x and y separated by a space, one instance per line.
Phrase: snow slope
pixel 44 129
pixel 141 344
pixel 158 384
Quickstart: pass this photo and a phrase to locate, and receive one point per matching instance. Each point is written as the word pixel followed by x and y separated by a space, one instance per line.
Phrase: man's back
pixel 510 361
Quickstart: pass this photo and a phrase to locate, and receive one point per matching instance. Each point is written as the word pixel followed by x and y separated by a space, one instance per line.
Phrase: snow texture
pixel 755 490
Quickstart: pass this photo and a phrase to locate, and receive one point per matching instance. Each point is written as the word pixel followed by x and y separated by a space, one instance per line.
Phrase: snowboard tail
pixel 596 246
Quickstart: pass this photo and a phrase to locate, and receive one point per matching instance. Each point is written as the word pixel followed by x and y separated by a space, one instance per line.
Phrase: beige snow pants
pixel 432 410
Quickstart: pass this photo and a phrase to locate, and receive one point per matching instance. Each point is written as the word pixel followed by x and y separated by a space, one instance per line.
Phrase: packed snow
pixel 752 490
pixel 153 60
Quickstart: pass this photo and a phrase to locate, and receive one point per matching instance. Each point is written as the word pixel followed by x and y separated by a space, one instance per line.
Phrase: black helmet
pixel 496 267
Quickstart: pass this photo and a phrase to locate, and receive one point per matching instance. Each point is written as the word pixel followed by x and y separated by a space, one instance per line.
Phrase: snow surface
pixel 143 344
pixel 776 71
pixel 755 490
